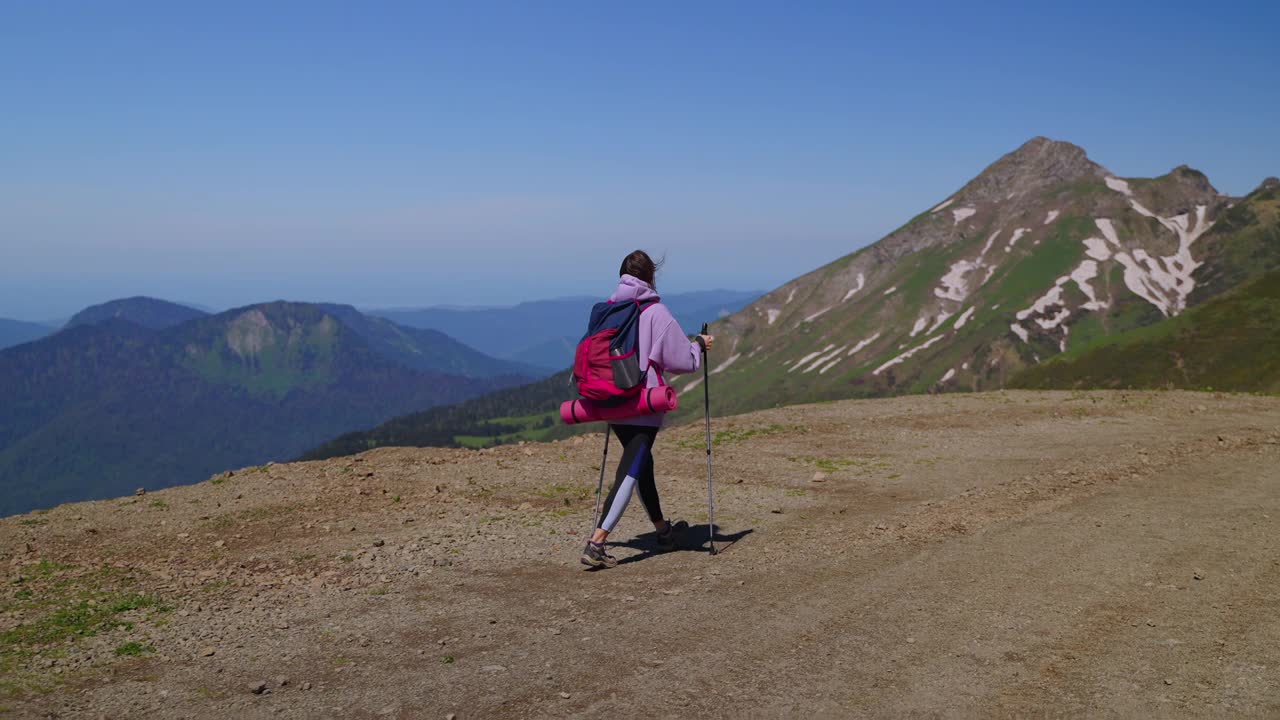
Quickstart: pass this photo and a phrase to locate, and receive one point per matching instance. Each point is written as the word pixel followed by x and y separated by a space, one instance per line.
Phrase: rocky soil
pixel 1004 554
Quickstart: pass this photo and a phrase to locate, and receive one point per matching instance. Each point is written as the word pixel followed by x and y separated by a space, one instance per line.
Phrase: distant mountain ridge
pixel 544 332
pixel 102 407
pixel 147 312
pixel 17 332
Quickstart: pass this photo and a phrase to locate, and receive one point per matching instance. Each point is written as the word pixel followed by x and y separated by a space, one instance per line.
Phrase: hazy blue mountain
pixel 16 332
pixel 101 408
pixel 543 332
pixel 423 349
pixel 145 311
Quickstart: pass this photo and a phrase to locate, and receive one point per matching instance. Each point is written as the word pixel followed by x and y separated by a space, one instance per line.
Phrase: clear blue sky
pixel 467 152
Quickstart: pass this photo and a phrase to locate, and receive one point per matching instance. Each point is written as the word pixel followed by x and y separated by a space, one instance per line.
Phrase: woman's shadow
pixel 695 538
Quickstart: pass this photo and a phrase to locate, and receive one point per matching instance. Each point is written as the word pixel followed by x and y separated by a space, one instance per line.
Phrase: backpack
pixel 606 363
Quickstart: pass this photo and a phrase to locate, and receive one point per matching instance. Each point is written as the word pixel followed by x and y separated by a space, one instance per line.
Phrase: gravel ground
pixel 1101 554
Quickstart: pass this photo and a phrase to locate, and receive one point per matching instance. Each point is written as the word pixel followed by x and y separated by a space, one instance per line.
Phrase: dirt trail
pixel 1002 554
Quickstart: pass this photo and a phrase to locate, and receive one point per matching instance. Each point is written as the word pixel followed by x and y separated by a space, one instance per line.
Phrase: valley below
pixel 1001 554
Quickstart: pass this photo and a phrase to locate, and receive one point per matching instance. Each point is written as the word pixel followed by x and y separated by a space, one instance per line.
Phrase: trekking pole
pixel 706 397
pixel 600 486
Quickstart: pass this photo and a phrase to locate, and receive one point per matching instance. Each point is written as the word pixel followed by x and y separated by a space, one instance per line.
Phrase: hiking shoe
pixel 595 556
pixel 674 536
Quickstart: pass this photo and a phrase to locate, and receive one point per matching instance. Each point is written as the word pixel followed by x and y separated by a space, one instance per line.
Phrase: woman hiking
pixel 663 348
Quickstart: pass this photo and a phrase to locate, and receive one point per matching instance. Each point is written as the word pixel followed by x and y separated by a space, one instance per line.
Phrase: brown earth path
pixel 1002 554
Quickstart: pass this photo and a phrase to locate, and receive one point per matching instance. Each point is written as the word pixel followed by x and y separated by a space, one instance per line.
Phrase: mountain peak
pixel 147 312
pixel 1193 179
pixel 1041 144
pixel 1269 183
pixel 1038 164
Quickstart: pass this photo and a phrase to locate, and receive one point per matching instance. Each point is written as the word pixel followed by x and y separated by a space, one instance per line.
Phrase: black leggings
pixel 634 471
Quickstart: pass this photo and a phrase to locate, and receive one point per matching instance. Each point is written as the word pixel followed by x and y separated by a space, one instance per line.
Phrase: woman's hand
pixel 706 341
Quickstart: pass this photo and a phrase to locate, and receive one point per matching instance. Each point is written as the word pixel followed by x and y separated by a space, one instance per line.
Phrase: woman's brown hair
pixel 640 266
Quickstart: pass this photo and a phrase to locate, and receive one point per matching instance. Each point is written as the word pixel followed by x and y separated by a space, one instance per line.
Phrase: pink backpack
pixel 606 364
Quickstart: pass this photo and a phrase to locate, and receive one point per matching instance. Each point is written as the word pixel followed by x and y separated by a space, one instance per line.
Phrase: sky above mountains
pixel 486 153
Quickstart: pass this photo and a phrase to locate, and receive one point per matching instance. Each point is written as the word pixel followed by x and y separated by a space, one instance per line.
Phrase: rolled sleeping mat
pixel 649 401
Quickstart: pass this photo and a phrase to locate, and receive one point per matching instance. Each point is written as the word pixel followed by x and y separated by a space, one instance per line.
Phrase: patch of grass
pixel 837 464
pixel 34 521
pixel 826 464
pixel 266 512
pixel 48 568
pixel 160 504
pixel 64 612
pixel 447 660
pixel 734 436
pixel 558 490
pixel 133 649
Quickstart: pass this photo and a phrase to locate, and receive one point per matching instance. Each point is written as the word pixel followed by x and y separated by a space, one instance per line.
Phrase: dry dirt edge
pixel 999 554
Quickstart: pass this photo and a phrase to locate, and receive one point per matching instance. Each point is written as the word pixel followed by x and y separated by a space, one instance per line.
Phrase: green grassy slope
pixel 528 412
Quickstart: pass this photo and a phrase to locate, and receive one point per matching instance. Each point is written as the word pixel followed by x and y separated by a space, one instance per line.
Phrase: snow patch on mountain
pixel 942 317
pixel 954 286
pixel 1054 321
pixel 1167 281
pixel 862 281
pixel 1118 185
pixel 1046 301
pixel 809 357
pixel 943 205
pixel 963 213
pixel 950 374
pixel 1016 235
pixel 773 315
pixel 920 325
pixel 815 316
pixel 890 290
pixel 861 344
pixel 1020 332
pixel 1108 231
pixel 731 360
pixel 990 240
pixel 825 358
pixel 964 318
pixel 1053 215
pixel 1086 271
pixel 1096 248
pixel 907 354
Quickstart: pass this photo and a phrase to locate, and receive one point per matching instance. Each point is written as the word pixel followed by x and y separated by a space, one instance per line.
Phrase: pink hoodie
pixel 663 345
